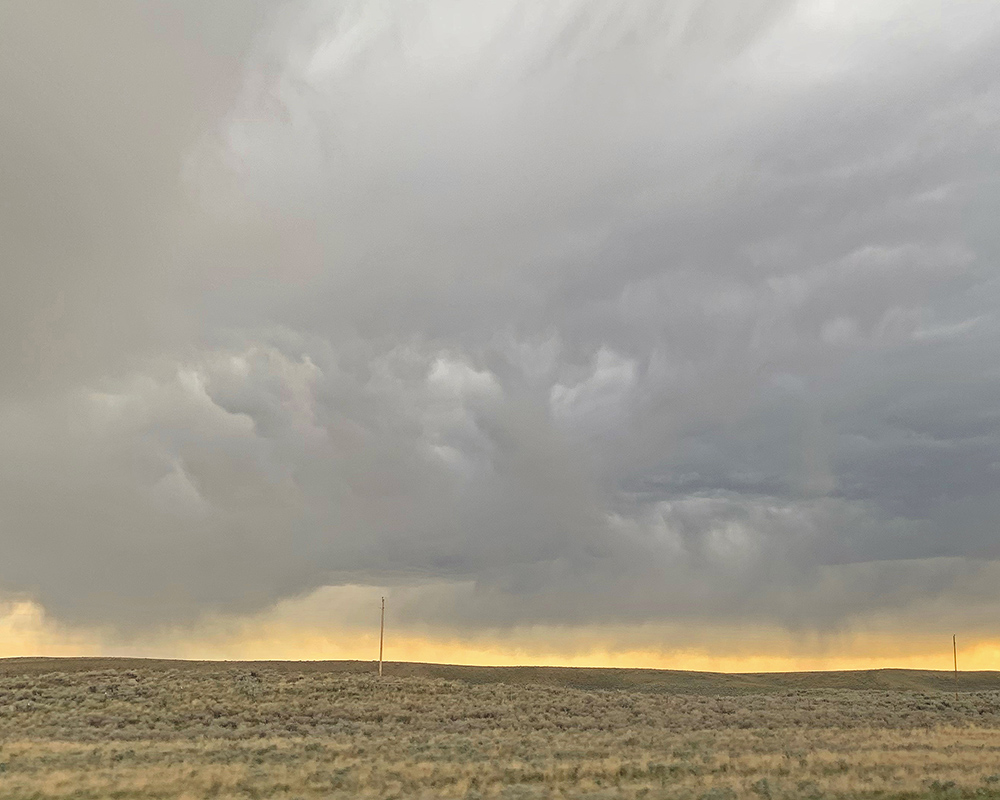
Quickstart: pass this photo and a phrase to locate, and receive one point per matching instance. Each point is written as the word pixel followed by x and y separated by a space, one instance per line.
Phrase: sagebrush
pixel 233 733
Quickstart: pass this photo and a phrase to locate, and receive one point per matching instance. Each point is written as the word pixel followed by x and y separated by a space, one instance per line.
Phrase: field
pixel 87 728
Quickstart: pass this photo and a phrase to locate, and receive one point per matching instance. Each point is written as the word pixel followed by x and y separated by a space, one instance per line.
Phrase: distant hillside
pixel 649 680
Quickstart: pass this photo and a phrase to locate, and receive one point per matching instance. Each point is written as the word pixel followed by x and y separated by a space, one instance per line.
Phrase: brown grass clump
pixel 158 731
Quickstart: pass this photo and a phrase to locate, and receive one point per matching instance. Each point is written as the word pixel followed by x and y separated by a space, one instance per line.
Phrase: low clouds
pixel 598 313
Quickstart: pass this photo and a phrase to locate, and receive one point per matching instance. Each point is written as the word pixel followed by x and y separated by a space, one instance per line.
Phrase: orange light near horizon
pixel 25 631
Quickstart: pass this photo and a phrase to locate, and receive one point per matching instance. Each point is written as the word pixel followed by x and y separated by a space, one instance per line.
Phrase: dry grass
pixel 300 731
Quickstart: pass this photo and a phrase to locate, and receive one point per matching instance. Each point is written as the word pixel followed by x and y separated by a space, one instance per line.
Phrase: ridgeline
pixel 643 680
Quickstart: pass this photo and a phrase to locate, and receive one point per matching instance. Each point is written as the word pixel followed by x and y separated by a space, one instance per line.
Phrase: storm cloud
pixel 596 312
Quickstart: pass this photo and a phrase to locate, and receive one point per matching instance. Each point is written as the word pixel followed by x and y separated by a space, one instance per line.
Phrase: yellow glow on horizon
pixel 25 631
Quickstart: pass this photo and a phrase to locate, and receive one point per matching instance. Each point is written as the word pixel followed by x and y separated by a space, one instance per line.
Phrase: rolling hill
pixel 648 680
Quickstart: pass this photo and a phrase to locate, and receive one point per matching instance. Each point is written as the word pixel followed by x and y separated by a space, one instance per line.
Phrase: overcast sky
pixel 572 313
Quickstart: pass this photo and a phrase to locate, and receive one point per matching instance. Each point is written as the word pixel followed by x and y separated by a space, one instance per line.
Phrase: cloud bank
pixel 584 313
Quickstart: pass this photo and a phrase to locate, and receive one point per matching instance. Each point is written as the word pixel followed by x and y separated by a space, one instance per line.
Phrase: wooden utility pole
pixel 954 650
pixel 381 634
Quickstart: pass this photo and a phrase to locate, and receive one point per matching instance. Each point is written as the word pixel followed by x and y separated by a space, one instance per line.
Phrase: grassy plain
pixel 104 728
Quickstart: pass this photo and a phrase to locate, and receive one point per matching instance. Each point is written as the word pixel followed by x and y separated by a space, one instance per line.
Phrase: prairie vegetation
pixel 79 729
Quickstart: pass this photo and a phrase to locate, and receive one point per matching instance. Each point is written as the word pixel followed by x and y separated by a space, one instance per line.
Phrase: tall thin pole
pixel 381 634
pixel 954 649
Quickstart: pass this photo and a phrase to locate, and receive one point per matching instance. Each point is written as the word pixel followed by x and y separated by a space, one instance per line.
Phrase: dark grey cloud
pixel 613 312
